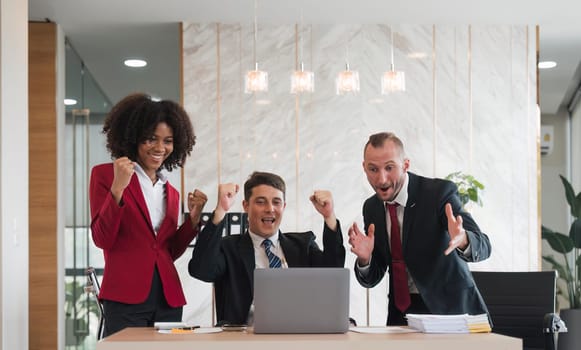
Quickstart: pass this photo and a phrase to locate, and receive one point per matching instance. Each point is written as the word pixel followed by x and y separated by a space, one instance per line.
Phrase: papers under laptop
pixel 301 300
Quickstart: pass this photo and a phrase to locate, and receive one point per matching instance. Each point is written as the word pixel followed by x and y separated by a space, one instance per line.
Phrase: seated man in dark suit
pixel 229 262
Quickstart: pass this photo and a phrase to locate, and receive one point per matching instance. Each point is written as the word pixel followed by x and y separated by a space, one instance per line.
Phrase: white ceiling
pixel 104 32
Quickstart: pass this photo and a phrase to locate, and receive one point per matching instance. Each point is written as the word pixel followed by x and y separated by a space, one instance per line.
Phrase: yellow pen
pixel 184 330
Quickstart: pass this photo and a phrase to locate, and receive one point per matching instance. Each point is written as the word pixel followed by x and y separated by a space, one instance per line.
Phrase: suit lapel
pixel 135 191
pixel 410 209
pixel 381 225
pixel 246 250
pixel 381 236
pixel 291 252
pixel 171 210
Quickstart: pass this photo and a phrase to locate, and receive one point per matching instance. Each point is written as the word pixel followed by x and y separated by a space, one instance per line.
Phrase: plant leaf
pixel 578 205
pixel 473 195
pixel 575 233
pixel 558 241
pixel 570 195
pixel 467 187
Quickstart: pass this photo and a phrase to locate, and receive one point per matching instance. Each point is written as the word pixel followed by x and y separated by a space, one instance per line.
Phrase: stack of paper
pixel 478 323
pixel 449 323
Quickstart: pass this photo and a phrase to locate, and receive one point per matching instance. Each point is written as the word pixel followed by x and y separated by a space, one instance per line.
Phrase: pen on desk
pixel 188 329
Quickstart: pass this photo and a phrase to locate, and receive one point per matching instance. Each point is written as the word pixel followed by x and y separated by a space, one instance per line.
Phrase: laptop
pixel 301 300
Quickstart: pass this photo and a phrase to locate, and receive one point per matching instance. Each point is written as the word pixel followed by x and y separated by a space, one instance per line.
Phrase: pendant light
pixel 348 80
pixel 255 80
pixel 392 80
pixel 302 80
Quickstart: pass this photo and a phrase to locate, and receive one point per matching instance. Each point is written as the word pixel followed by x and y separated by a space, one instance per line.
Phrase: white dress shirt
pixel 154 194
pixel 260 258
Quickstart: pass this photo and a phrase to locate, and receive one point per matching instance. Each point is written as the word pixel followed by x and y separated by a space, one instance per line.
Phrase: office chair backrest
pixel 234 223
pixel 93 287
pixel 92 281
pixel 518 303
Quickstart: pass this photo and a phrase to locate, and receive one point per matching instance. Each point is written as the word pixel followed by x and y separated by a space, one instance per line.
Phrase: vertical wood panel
pixel 43 300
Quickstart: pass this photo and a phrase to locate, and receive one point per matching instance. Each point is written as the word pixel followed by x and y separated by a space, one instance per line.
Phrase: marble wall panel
pixel 469 105
pixel 199 67
pixel 230 123
pixel 452 111
pixel 491 106
pixel 527 252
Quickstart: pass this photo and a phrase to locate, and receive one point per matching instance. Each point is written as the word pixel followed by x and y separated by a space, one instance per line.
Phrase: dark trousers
pixel 153 309
pixel 397 318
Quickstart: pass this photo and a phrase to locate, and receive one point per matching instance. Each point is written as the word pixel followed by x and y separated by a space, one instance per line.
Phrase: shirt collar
pixel 402 197
pixel 161 175
pixel 257 240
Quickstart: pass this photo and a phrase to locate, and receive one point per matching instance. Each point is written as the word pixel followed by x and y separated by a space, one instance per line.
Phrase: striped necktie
pixel 273 260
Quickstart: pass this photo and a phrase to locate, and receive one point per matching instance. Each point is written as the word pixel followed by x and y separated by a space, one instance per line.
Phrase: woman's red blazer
pixel 130 246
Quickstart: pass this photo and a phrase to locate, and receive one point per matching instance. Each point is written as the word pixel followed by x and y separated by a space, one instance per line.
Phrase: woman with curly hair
pixel 134 212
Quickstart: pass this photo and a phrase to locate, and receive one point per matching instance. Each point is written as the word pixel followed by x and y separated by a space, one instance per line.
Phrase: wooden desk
pixel 150 339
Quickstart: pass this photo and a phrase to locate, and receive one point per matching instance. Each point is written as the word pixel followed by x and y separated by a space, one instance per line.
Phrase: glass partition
pixel 84 147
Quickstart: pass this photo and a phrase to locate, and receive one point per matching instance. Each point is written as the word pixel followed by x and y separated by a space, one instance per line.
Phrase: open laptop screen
pixel 301 300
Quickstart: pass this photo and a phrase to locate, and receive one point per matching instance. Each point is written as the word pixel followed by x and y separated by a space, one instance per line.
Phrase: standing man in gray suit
pixel 416 227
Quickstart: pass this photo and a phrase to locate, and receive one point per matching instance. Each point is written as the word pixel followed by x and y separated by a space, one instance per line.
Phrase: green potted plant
pixel 570 268
pixel 469 188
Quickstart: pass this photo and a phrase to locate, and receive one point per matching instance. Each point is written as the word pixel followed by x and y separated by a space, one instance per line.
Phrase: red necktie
pixel 400 279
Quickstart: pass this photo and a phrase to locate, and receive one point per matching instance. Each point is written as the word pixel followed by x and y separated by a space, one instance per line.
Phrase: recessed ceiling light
pixel 70 102
pixel 547 64
pixel 135 63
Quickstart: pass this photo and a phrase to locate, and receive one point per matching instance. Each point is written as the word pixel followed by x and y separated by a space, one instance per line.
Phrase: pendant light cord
pixel 255 34
pixel 301 42
pixel 392 60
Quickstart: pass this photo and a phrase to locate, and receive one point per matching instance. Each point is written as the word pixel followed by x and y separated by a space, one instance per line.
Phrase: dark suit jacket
pixel 229 262
pixel 444 282
pixel 129 244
